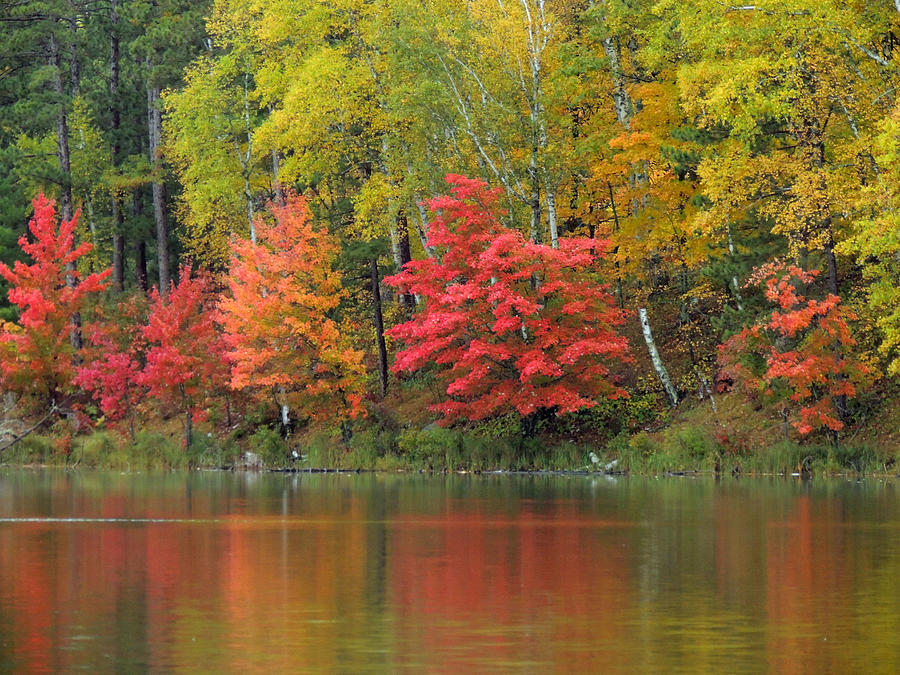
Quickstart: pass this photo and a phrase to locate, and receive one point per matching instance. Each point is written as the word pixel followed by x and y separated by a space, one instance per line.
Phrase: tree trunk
pixel 395 244
pixel 406 299
pixel 160 214
pixel 839 402
pixel 379 325
pixel 621 99
pixel 65 164
pixel 66 210
pixel 140 246
pixel 620 294
pixel 832 264
pixel 248 196
pixel 118 246
pixel 422 228
pixel 140 255
pixel 661 371
pixel 735 286
pixel 188 429
pixel 276 182
pixel 245 160
pixel 277 188
pixel 285 412
pixel 551 217
pixel 535 203
pixel 118 235
pixel 624 110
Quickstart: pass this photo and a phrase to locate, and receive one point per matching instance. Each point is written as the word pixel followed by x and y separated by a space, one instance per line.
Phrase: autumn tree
pixel 210 124
pixel 37 357
pixel 185 368
pixel 797 357
pixel 510 325
pixel 282 339
pixel 875 239
pixel 113 359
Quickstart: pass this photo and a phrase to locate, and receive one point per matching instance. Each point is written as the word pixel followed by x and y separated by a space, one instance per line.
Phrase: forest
pixel 637 234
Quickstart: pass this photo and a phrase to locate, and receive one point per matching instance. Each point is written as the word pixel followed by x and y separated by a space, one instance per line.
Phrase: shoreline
pixel 698 473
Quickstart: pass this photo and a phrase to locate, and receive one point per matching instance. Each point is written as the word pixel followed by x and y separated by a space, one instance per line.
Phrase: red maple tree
pixel 185 365
pixel 282 342
pixel 510 325
pixel 36 354
pixel 113 358
pixel 797 356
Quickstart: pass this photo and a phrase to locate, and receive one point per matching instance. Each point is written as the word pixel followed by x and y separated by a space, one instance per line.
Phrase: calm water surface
pixel 358 573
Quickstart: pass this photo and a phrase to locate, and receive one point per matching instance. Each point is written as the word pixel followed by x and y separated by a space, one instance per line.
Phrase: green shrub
pixel 634 453
pixel 367 446
pixel 152 450
pixel 270 447
pixel 211 452
pixel 690 449
pixel 856 458
pixel 428 447
pixel 33 449
pixel 323 449
pixel 101 449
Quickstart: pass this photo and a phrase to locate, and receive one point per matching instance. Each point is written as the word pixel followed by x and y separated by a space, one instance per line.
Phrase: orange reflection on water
pixel 387 573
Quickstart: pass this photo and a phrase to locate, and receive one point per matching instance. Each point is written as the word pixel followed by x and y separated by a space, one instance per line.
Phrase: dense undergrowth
pixel 691 440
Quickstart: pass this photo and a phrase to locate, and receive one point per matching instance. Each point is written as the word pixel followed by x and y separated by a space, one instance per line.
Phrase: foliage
pixel 114 358
pixel 185 367
pixel 701 140
pixel 796 356
pixel 269 446
pixel 279 334
pixel 37 354
pixel 513 325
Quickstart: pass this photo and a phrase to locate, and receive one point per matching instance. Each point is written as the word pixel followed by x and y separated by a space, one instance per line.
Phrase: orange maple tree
pixel 277 317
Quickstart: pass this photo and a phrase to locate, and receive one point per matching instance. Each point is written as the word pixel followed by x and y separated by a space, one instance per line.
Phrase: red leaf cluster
pixel 185 364
pixel 511 325
pixel 805 347
pixel 36 357
pixel 113 359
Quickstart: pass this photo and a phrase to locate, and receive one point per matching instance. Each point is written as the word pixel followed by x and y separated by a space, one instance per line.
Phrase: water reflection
pixel 230 572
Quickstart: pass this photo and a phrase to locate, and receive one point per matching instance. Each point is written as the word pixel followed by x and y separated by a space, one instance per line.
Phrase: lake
pixel 254 572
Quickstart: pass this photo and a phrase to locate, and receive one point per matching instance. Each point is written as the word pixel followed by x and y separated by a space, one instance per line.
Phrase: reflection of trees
pixel 354 573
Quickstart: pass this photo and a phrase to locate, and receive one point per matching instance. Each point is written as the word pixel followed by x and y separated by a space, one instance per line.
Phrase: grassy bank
pixel 683 446
pixel 639 435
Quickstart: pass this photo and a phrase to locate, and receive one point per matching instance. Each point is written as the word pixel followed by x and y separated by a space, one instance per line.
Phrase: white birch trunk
pixel 422 229
pixel 395 244
pixel 655 358
pixel 551 217
pixel 285 411
pixel 535 232
pixel 738 300
pixel 245 161
pixel 624 110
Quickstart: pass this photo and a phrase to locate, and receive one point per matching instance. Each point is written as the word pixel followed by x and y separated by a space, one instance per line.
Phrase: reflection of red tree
pixel 508 587
pixel 806 582
pixel 27 579
pixel 332 588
